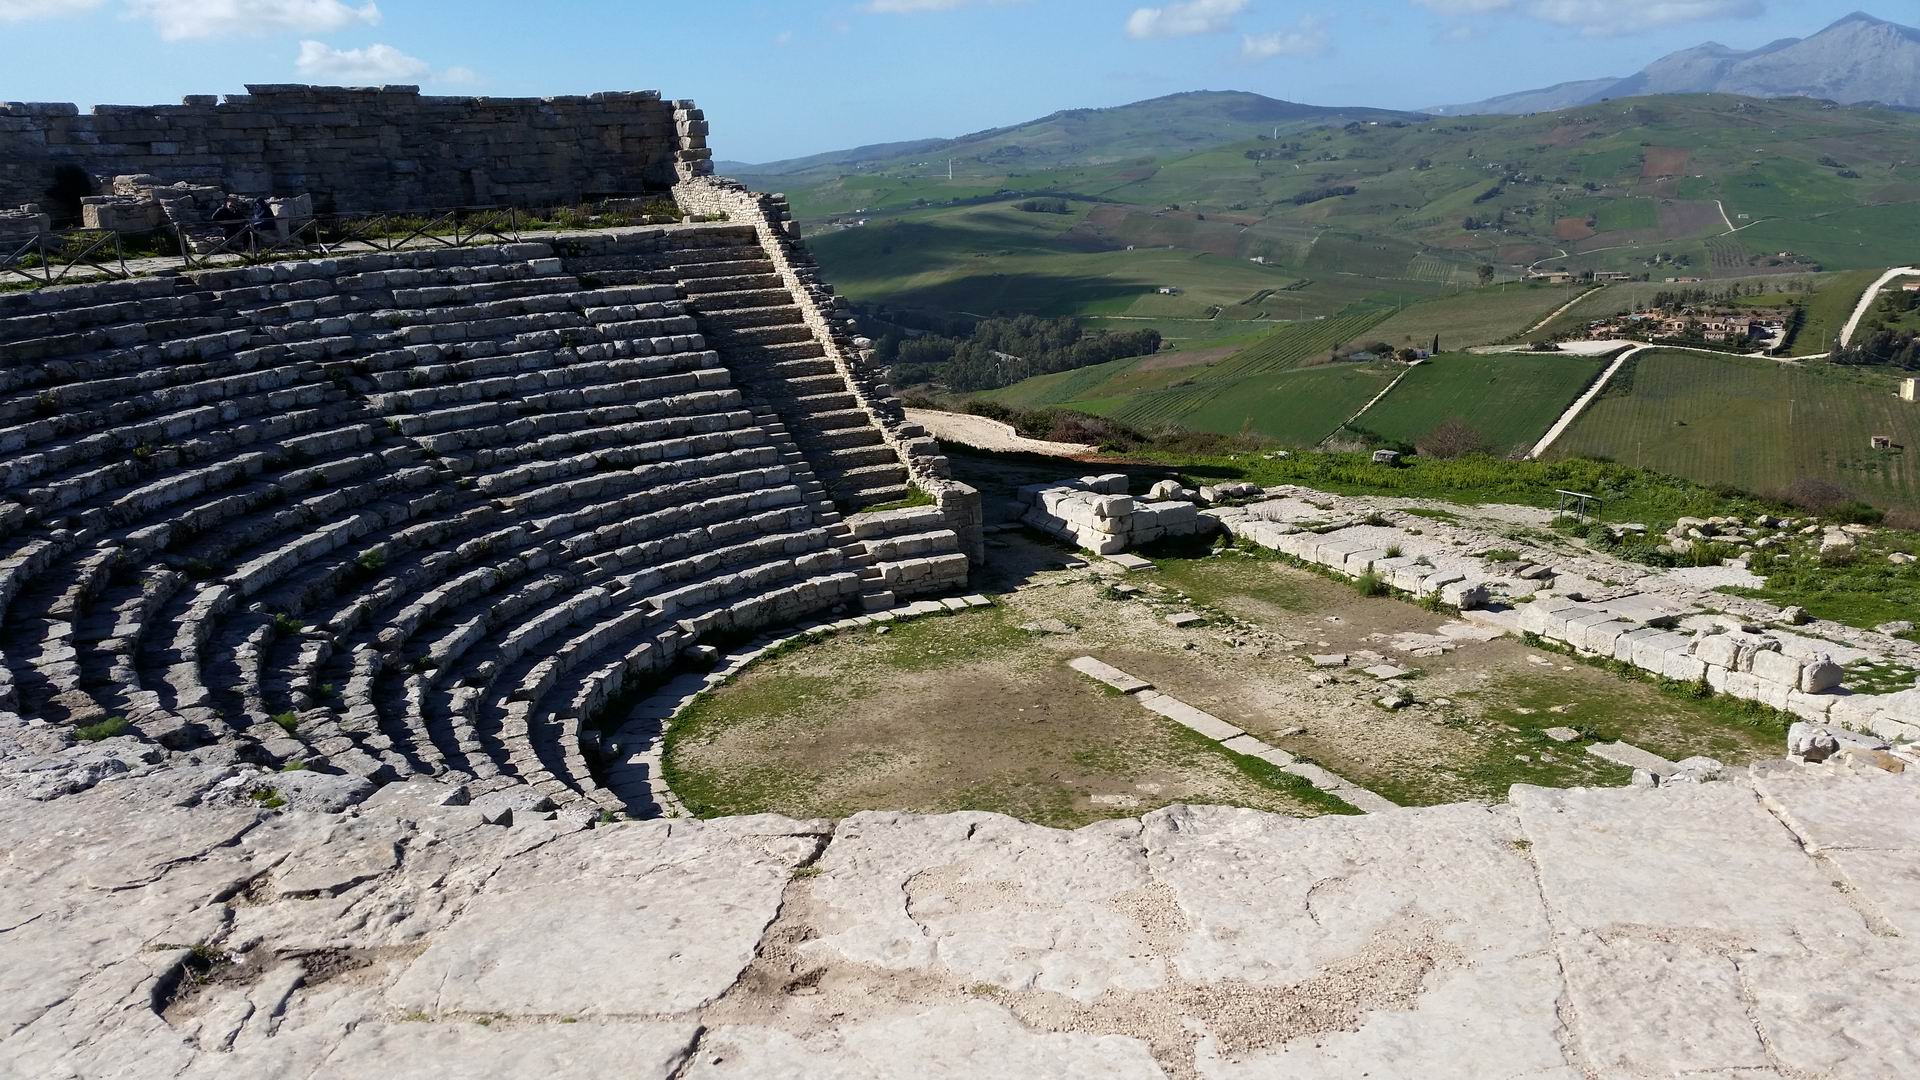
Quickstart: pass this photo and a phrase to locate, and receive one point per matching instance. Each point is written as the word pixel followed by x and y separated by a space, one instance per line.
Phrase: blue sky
pixel 803 76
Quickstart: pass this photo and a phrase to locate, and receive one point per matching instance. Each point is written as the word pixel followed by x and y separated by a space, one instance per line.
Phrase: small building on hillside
pixel 1910 389
pixel 1612 275
pixel 1168 290
pixel 1553 277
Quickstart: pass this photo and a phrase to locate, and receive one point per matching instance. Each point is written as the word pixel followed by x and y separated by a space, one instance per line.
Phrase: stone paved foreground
pixel 1764 926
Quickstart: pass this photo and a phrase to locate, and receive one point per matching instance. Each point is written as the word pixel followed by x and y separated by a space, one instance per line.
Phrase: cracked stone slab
pixel 986 898
pixel 1451 939
pixel 1684 858
pixel 642 1050
pixel 660 917
pixel 1866 823
pixel 951 1042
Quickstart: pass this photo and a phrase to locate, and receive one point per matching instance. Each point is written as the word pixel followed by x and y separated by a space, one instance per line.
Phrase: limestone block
pixel 1777 667
pixel 1820 673
pixel 1465 595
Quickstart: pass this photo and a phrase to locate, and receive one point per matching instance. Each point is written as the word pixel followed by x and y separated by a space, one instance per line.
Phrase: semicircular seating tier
pixel 431 511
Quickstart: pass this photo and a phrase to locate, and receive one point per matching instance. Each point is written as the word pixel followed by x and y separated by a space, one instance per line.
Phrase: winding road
pixel 1867 298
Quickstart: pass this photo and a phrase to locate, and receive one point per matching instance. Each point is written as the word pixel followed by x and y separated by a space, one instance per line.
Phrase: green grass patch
pixel 105 729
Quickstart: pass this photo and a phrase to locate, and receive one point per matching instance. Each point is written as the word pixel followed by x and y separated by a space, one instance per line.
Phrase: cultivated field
pixel 1479 317
pixel 1510 398
pixel 1754 423
pixel 1280 385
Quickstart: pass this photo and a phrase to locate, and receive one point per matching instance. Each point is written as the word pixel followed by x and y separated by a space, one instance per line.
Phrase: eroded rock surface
pixel 1763 926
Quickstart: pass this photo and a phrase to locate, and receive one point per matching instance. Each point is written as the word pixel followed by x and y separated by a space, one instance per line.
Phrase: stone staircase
pixel 747 315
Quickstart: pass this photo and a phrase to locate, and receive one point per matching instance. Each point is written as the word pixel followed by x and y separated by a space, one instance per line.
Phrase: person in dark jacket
pixel 232 216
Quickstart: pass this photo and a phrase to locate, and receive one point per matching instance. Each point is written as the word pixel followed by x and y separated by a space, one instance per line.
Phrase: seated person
pixel 232 216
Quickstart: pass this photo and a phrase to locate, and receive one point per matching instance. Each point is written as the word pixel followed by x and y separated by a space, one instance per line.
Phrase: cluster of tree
pixel 1000 352
pixel 1883 347
pixel 1044 206
pixel 1491 193
pixel 1314 195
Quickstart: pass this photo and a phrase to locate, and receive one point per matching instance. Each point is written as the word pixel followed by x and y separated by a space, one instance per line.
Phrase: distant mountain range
pixel 1858 59
pixel 1174 124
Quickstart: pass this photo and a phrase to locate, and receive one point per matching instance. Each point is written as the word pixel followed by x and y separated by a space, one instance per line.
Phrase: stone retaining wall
pixel 384 148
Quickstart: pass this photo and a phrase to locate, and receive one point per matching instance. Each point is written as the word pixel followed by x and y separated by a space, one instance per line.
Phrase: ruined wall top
pixel 353 149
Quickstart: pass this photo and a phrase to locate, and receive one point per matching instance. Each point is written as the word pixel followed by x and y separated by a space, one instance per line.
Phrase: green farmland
pixel 1754 423
pixel 1510 398
pixel 1478 317
pixel 1282 385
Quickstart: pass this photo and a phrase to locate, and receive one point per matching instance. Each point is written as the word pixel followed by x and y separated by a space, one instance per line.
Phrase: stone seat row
pixel 339 540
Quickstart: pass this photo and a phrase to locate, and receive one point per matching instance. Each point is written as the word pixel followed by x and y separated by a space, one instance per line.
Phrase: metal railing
pixel 47 258
pixel 466 226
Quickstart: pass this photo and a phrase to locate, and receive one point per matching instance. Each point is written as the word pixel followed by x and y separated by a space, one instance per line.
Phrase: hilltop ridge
pixel 1858 59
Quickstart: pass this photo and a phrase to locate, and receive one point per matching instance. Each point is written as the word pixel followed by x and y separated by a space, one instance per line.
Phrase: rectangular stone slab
pixel 1633 757
pixel 1187 716
pixel 1107 673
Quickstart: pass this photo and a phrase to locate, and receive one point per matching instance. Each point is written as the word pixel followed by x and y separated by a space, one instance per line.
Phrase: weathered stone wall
pixel 386 148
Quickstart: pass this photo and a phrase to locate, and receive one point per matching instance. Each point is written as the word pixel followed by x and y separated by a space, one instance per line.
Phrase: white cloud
pixel 1605 15
pixel 1307 38
pixel 1184 19
pixel 783 39
pixel 1625 15
pixel 1464 7
pixel 373 64
pixel 24 10
pixel 910 7
pixel 181 20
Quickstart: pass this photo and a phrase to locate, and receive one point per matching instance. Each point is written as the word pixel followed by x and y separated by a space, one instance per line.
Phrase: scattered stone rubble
pixel 1683 638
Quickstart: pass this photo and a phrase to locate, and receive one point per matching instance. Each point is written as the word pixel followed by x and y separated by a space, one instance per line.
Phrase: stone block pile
pixel 22 224
pixel 1097 514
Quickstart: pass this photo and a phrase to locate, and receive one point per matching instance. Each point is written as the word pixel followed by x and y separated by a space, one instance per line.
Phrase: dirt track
pixel 981 433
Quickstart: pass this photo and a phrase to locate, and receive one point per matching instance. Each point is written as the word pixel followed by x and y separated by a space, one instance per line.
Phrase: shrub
pixel 1454 438
pixel 289 721
pixel 105 729
pixel 1500 555
pixel 1370 584
pixel 1394 551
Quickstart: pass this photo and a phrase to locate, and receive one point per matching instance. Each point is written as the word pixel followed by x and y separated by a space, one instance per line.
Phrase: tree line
pixel 1002 351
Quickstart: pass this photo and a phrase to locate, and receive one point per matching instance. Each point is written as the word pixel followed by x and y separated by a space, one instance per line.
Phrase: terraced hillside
pixel 432 512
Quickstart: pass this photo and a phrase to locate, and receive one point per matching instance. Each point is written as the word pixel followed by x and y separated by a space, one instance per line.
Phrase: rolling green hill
pixel 1701 185
pixel 1257 254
